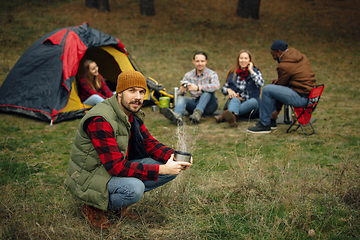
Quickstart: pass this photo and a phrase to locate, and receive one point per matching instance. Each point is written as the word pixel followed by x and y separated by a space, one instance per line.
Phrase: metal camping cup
pixel 155 108
pixel 181 156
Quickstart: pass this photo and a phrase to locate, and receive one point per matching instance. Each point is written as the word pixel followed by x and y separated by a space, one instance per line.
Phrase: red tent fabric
pixel 39 84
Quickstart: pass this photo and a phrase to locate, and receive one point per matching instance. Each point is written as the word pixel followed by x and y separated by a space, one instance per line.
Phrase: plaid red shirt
pixel 115 162
pixel 208 80
pixel 86 90
pixel 243 73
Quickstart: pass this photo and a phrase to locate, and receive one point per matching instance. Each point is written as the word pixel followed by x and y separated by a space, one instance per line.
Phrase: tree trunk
pixel 147 7
pixel 248 9
pixel 90 3
pixel 100 5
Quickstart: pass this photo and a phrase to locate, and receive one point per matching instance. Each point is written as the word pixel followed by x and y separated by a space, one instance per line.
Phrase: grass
pixel 241 186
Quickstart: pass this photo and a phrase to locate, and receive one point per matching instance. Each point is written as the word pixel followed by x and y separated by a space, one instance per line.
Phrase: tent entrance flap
pixel 111 63
pixel 120 58
pixel 74 103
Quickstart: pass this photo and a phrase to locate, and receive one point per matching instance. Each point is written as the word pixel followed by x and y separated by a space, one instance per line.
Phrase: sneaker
pixel 172 116
pixel 273 124
pixel 196 116
pixel 259 128
pixel 96 217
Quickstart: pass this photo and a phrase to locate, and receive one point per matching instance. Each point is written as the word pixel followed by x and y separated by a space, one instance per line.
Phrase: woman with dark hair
pixel 243 84
pixel 93 88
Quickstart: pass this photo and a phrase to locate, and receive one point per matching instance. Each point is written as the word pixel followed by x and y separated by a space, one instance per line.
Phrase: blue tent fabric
pixel 40 82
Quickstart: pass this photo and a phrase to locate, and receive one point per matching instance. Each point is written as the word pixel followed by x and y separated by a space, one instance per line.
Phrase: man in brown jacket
pixel 293 85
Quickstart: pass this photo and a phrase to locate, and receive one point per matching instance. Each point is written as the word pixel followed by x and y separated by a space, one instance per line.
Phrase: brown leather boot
pixel 96 217
pixel 230 118
pixel 220 118
pixel 123 212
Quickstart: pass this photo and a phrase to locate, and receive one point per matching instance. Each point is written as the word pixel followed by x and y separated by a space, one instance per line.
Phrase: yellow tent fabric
pixel 74 103
pixel 123 62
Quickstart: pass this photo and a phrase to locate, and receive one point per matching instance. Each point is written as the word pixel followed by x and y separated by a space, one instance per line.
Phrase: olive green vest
pixel 87 177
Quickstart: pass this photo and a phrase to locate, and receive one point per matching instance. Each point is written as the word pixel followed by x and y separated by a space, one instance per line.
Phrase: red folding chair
pixel 303 115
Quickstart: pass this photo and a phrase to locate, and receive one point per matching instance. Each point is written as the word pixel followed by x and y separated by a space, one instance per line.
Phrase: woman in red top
pixel 93 88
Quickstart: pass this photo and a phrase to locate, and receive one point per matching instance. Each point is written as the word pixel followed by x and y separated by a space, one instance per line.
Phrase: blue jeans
pixel 241 108
pixel 124 191
pixel 286 95
pixel 207 104
pixel 93 100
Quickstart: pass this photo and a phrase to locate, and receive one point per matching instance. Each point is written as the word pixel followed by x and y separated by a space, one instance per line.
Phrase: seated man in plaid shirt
pixel 114 159
pixel 201 83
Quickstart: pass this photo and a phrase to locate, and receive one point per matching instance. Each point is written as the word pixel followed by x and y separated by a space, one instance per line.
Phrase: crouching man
pixel 114 160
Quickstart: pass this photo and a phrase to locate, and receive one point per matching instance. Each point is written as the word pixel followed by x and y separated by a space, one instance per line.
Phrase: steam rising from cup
pixel 181 155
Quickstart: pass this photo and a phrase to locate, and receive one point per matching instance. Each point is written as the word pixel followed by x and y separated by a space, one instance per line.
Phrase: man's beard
pixel 127 105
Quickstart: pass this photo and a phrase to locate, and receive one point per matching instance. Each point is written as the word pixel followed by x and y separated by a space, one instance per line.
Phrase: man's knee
pixel 137 194
pixel 271 91
pixel 132 190
pixel 266 88
pixel 135 191
pixel 271 88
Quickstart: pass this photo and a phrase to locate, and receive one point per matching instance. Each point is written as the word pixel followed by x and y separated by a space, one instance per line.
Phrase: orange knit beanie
pixel 130 78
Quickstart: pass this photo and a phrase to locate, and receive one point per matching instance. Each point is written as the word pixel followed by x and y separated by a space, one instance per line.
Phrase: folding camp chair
pixel 303 115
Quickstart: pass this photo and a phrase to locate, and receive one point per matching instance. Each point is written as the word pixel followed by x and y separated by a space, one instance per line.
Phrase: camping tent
pixel 42 82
